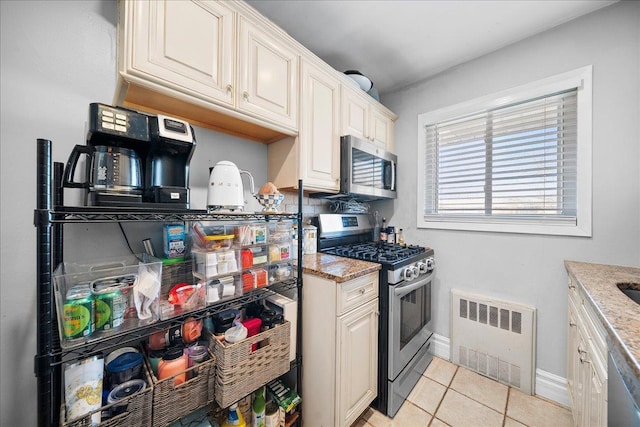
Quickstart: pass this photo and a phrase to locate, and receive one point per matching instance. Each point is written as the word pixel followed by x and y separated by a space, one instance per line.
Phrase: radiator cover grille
pixel 494 338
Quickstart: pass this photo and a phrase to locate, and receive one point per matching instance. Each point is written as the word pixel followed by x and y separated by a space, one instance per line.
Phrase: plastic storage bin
pixel 180 293
pixel 207 264
pixel 105 297
pixel 250 234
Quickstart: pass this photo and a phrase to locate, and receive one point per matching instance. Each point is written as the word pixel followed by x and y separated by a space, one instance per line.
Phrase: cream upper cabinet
pixel 319 132
pixel 268 79
pixel 363 117
pixel 208 63
pixel 184 45
pixel 381 128
pixel 355 114
pixel 221 65
pixel 314 156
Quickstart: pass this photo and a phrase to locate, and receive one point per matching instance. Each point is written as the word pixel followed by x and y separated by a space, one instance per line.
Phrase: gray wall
pixel 57 57
pixel 525 268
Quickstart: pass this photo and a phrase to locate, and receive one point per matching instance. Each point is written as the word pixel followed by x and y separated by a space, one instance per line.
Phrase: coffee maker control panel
pixel 172 128
pixel 118 121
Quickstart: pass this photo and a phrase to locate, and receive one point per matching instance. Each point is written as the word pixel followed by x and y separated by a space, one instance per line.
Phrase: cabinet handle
pixel 581 351
pixel 362 291
pixel 571 324
pixel 572 286
pixel 584 360
pixel 229 89
pixel 245 95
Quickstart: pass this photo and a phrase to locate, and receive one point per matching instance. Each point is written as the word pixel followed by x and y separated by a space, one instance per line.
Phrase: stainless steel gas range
pixel 406 277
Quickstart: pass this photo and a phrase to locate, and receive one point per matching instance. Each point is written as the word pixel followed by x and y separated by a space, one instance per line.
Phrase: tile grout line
pixel 506 406
pixel 445 393
pixel 481 403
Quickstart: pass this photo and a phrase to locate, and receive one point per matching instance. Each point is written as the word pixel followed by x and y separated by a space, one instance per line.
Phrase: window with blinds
pixel 516 161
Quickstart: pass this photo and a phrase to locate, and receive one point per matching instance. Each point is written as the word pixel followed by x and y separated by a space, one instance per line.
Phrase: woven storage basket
pixel 137 414
pixel 240 371
pixel 171 402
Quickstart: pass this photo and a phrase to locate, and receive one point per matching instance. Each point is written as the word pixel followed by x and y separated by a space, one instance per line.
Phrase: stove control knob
pixel 410 273
pixel 422 267
pixel 431 263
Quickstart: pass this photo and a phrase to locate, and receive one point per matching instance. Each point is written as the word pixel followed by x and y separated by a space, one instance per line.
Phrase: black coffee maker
pixel 133 159
pixel 167 165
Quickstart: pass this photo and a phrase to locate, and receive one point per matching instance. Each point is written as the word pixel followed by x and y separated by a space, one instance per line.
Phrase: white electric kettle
pixel 225 187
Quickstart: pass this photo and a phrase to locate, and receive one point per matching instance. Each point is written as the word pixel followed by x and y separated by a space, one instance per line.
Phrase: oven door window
pixel 415 313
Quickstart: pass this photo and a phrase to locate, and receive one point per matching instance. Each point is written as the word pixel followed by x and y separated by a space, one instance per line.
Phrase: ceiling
pixel 397 43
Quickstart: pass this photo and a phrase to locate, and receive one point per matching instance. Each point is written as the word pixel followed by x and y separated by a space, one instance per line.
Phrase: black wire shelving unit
pixel 49 217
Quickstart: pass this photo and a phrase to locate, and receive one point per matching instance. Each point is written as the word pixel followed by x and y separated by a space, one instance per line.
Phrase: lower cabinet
pixel 340 347
pixel 586 362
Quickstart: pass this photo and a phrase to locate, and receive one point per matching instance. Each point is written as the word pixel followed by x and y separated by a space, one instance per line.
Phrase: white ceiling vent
pixel 494 338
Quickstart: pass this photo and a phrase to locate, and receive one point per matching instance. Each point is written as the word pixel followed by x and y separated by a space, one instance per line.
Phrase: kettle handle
pixel 253 188
pixel 70 169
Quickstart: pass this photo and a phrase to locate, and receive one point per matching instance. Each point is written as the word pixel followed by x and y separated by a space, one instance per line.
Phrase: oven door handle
pixel 400 291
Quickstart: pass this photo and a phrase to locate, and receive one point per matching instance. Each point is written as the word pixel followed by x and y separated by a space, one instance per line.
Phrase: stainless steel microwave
pixel 367 172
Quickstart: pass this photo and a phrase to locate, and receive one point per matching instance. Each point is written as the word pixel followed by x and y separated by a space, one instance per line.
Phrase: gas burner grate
pixel 377 252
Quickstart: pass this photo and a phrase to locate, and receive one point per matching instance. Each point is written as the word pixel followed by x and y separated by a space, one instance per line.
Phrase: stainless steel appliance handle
pixel 400 291
pixel 393 175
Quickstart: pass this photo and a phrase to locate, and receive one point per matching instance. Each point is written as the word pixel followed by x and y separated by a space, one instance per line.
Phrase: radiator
pixel 494 338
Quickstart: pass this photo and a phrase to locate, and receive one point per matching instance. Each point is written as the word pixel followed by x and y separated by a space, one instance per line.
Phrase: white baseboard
pixel 441 346
pixel 552 387
pixel 548 385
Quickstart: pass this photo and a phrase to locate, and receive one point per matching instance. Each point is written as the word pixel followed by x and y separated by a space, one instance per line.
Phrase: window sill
pixel 504 227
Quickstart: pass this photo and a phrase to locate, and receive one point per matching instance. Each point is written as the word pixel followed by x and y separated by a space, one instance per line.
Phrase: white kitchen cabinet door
pixel 381 129
pixel 355 114
pixel 573 358
pixel 586 362
pixel 319 136
pixel 598 395
pixel 583 382
pixel 357 353
pixel 365 119
pixel 268 76
pixel 187 46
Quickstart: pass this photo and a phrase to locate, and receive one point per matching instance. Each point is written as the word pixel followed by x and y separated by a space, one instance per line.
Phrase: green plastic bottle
pixel 258 408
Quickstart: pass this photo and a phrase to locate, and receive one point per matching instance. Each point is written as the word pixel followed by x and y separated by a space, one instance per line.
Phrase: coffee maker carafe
pixel 133 159
pixel 117 142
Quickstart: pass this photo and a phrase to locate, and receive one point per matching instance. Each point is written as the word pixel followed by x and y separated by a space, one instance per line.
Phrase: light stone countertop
pixel 618 313
pixel 336 268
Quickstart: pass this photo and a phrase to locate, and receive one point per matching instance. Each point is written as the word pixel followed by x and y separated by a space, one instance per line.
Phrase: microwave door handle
pixel 393 176
pixel 400 291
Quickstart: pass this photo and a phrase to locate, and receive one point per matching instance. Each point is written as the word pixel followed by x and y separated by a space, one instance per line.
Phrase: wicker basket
pixel 171 402
pixel 240 371
pixel 137 414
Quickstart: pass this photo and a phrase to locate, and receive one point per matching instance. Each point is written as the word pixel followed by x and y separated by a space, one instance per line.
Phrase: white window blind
pixel 515 163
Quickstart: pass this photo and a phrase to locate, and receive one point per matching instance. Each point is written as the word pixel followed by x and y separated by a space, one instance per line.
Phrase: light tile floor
pixel 449 395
